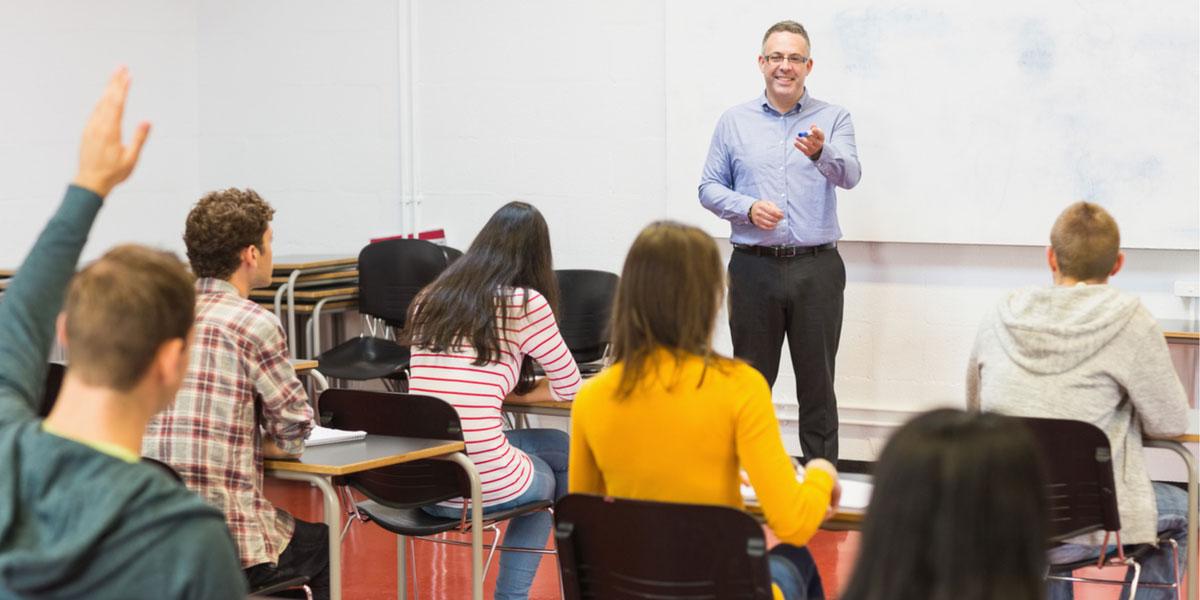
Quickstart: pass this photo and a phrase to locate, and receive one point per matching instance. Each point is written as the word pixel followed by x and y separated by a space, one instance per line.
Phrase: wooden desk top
pixel 309 295
pixel 311 279
pixel 550 409
pixel 1180 329
pixel 307 309
pixel 842 519
pixel 302 366
pixel 286 264
pixel 7 272
pixel 373 452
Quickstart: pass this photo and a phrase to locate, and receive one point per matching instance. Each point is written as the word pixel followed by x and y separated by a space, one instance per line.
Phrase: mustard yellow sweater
pixel 674 440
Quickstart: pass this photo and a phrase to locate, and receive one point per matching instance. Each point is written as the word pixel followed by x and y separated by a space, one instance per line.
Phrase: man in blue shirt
pixel 772 170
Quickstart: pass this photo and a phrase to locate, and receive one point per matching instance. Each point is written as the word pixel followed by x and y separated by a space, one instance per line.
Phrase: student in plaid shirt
pixel 241 400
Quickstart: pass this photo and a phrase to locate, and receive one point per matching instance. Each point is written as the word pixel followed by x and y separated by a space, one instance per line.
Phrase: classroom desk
pixel 320 464
pixel 844 519
pixel 521 411
pixel 297 266
pixel 308 368
pixel 1180 331
pixel 1176 445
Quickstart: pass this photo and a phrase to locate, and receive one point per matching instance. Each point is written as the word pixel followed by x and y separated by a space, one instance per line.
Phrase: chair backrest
pixel 54 378
pixel 1081 493
pixel 452 254
pixel 626 549
pixel 407 415
pixel 584 308
pixel 392 272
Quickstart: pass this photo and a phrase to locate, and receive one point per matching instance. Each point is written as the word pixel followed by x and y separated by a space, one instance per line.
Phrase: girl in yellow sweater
pixel 674 421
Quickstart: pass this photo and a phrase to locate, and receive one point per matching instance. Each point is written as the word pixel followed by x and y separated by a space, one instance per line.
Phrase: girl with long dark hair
pixel 958 512
pixel 476 332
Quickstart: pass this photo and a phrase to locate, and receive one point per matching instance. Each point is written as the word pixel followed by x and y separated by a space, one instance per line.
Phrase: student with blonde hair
pixel 673 421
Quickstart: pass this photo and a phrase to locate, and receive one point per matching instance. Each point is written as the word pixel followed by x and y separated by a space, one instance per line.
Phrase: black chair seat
pixel 280 587
pixel 364 358
pixel 416 522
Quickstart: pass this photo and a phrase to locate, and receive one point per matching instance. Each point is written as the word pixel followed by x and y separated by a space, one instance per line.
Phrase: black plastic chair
pixel 635 549
pixel 390 274
pixel 54 379
pixel 584 310
pixel 452 254
pixel 1082 497
pixel 397 493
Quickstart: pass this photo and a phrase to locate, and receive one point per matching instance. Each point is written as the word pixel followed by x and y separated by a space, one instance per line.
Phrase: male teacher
pixel 771 171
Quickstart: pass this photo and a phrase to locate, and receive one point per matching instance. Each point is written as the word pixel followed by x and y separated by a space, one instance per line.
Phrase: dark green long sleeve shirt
pixel 76 522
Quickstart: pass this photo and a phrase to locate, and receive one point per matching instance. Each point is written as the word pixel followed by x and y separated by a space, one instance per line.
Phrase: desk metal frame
pixel 321 476
pixel 1175 445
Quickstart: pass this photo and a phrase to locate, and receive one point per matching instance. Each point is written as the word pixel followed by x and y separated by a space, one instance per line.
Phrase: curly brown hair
pixel 220 226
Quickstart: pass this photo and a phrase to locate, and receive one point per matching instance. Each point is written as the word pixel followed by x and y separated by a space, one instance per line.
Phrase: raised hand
pixel 104 161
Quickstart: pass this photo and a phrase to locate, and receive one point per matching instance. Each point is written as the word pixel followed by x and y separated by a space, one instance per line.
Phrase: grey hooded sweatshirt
pixel 1088 353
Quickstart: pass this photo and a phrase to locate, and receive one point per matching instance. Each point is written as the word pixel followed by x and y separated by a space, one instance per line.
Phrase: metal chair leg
pixel 487 565
pixel 412 552
pixel 1137 575
pixel 401 570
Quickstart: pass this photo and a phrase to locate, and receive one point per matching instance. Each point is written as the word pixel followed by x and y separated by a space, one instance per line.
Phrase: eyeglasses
pixel 794 59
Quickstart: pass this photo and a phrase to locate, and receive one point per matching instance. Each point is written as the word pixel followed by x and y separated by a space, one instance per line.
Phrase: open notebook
pixel 324 435
pixel 856 494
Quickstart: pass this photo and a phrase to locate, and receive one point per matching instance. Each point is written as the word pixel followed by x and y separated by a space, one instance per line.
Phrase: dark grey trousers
pixel 801 297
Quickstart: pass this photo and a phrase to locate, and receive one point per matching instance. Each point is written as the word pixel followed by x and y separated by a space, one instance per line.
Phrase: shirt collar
pixel 766 105
pixel 110 449
pixel 212 285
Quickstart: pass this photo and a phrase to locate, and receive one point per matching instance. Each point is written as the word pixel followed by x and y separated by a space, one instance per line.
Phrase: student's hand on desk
pixel 539 393
pixel 835 496
pixel 765 215
pixel 104 161
pixel 835 500
pixel 272 450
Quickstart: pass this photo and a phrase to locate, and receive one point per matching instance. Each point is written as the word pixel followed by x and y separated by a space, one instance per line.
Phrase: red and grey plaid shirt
pixel 239 384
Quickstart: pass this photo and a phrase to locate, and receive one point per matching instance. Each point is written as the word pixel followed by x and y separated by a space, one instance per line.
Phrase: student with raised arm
pixel 80 516
pixel 476 332
pixel 241 401
pixel 673 421
pixel 1083 350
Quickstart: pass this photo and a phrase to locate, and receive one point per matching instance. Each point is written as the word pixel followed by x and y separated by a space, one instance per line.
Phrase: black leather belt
pixel 783 251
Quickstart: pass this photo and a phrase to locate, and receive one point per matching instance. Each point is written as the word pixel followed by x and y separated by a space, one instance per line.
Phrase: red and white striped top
pixel 477 392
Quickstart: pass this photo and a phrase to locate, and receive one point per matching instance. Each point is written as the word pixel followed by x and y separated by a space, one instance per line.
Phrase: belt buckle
pixel 786 252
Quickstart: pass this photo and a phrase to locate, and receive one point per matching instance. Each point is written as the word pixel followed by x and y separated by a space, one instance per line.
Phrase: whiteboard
pixel 976 122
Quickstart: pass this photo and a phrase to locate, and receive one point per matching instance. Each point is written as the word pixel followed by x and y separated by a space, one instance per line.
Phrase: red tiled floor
pixel 443 572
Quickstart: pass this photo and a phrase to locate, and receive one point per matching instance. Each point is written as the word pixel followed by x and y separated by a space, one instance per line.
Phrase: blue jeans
pixel 1157 567
pixel 793 570
pixel 547 450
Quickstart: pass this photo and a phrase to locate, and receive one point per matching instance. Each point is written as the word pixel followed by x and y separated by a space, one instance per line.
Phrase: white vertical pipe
pixel 406 32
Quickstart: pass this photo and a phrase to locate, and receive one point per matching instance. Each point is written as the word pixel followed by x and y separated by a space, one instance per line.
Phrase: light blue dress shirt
pixel 752 158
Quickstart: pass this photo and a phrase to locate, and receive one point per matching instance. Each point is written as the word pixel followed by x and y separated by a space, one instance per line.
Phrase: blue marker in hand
pixel 802 134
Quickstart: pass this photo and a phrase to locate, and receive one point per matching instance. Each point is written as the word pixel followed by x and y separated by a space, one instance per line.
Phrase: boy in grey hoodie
pixel 1082 350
